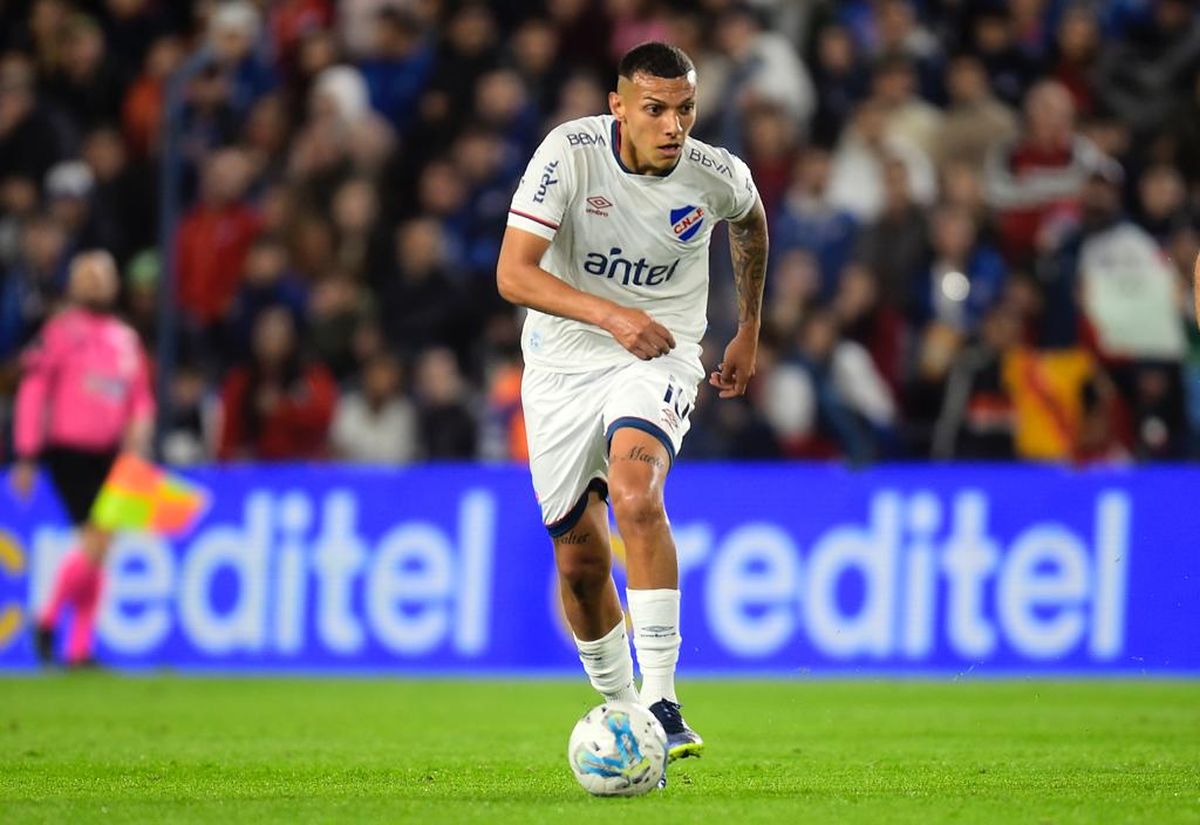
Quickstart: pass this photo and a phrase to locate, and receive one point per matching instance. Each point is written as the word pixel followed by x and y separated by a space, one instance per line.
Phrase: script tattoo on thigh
pixel 574 538
pixel 638 454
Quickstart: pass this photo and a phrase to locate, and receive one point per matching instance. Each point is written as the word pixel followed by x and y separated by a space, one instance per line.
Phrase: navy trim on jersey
pixel 615 143
pixel 648 427
pixel 543 222
pixel 564 524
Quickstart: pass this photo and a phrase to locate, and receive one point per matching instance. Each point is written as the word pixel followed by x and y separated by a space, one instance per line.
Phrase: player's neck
pixel 628 154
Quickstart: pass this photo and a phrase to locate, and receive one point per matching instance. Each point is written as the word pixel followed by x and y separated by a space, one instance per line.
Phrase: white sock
pixel 609 665
pixel 655 615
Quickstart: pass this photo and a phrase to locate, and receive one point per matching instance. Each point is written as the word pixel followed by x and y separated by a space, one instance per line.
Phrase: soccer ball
pixel 618 749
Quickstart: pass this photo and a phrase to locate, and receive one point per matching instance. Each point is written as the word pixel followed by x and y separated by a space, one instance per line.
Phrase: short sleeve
pixel 545 189
pixel 744 194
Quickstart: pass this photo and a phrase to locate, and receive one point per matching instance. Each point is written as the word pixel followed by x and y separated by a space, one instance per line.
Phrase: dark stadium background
pixel 350 164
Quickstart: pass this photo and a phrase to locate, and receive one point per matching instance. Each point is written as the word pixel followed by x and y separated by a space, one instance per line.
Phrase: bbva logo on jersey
pixel 686 221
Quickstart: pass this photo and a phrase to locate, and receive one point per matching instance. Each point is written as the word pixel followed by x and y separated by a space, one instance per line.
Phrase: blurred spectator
pixel 358 243
pixel 809 221
pixel 900 34
pixel 30 140
pixel 1078 41
pixel 965 277
pixel 376 424
pixel 1009 68
pixel 214 238
pixel 907 116
pixel 266 283
pixel 277 408
pixel 864 318
pixel 976 420
pixel 1181 135
pixel 141 111
pixel 1099 442
pixel 233 34
pixel 337 310
pixel 190 433
pixel 504 430
pixel 794 287
pixel 86 84
pixel 265 136
pixel 840 79
pixel 977 122
pixel 448 429
pixel 420 306
pixel 34 285
pixel 585 32
pixel 1142 77
pixel 895 246
pixel 470 48
pixel 1162 206
pixel 1035 183
pixel 634 22
pixel 858 179
pixel 141 295
pixel 398 66
pixel 69 186
pixel 765 70
pixel 771 144
pixel 124 196
pixel 854 407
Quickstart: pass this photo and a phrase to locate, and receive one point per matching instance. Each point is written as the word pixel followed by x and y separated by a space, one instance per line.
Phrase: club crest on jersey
pixel 686 221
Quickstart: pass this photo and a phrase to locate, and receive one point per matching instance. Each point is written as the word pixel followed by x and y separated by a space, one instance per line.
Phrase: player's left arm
pixel 1196 288
pixel 748 244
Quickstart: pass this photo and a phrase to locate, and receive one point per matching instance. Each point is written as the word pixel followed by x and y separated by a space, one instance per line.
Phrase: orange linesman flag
pixel 137 495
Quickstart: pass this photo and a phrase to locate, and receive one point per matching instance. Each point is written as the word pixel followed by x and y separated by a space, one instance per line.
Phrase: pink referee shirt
pixel 84 384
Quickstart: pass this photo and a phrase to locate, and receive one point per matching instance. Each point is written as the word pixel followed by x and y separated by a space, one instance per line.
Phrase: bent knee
pixel 583 573
pixel 637 508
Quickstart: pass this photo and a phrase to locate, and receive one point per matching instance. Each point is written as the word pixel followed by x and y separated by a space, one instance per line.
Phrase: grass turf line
pixel 98 747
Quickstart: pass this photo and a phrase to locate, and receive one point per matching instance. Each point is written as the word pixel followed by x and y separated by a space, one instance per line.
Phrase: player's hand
pixel 734 373
pixel 639 333
pixel 21 477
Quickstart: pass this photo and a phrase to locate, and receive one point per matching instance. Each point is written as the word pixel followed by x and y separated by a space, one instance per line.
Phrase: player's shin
pixel 655 615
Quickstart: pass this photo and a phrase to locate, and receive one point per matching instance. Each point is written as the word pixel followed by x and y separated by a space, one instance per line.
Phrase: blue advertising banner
pixel 784 569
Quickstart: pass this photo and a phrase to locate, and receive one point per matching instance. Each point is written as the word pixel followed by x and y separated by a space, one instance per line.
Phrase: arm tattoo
pixel 748 249
pixel 638 454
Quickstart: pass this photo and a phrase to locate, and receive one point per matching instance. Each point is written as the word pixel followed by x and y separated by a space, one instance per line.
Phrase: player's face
pixel 656 114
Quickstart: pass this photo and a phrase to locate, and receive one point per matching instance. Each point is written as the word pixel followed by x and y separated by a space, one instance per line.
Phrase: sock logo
pixel 657 631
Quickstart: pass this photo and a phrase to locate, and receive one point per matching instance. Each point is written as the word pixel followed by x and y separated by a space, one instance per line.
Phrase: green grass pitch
pixel 105 748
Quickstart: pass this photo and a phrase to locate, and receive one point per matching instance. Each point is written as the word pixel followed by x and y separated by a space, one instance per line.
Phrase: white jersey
pixel 640 241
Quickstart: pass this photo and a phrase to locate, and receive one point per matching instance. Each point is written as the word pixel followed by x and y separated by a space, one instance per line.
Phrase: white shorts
pixel 570 419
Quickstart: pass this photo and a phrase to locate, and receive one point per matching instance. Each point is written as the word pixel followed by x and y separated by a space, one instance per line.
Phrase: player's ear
pixel 617 106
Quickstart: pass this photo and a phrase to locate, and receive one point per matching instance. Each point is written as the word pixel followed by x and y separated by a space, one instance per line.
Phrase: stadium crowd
pixel 983 215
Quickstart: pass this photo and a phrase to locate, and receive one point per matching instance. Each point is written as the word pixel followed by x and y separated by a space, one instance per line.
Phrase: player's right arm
pixel 539 206
pixel 521 280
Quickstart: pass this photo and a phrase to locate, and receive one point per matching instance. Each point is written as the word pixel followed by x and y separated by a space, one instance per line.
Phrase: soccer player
pixel 607 246
pixel 84 396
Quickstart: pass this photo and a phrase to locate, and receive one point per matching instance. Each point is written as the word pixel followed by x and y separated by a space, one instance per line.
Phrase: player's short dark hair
pixel 655 59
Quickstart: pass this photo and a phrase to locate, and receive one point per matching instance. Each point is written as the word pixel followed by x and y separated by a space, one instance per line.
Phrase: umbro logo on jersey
pixel 598 205
pixel 686 221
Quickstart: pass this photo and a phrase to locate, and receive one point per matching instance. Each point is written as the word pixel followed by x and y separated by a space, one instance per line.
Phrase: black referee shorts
pixel 77 475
